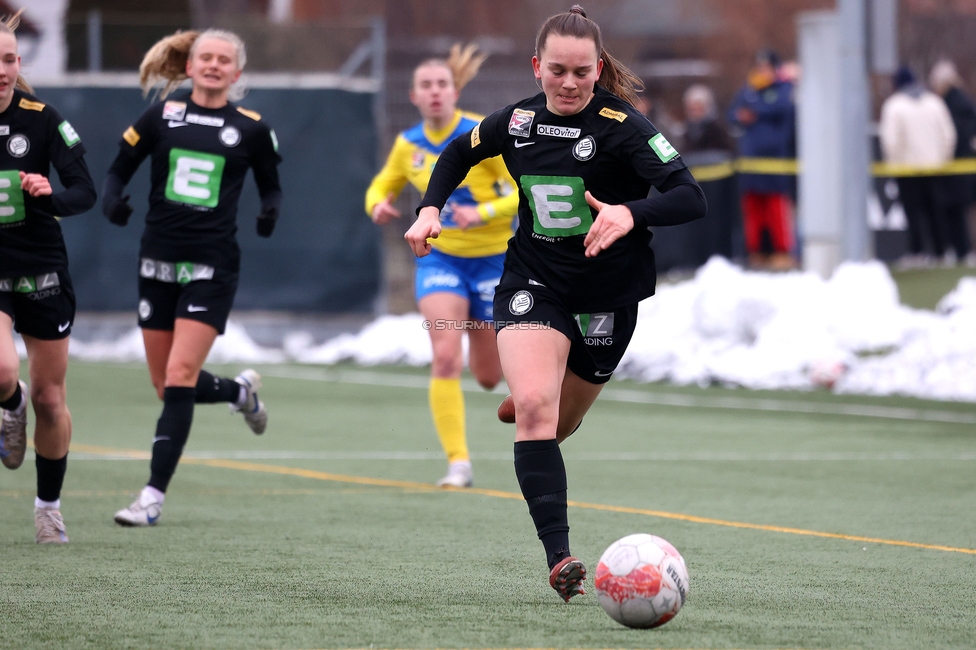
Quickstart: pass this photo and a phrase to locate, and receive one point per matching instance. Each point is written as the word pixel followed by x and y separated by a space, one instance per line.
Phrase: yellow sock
pixel 447 407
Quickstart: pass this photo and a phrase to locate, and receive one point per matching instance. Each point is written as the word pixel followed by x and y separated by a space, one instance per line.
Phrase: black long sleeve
pixel 77 197
pixel 680 201
pixel 452 166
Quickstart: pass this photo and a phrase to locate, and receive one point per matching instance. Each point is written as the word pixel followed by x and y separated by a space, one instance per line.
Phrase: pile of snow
pixel 727 326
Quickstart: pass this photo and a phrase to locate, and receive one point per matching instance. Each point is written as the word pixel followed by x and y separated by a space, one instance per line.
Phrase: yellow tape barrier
pixel 784 166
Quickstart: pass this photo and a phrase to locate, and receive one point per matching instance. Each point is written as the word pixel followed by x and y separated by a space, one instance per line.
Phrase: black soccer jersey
pixel 609 149
pixel 33 137
pixel 200 157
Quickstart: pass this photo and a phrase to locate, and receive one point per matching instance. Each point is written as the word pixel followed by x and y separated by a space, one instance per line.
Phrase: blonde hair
pixel 463 62
pixel 9 25
pixel 616 77
pixel 165 62
pixel 703 94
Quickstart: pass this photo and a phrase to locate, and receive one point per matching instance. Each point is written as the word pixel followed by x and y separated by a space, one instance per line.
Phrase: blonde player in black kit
pixel 36 296
pixel 201 146
pixel 579 262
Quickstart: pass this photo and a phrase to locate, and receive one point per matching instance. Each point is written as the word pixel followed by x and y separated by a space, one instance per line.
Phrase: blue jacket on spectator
pixel 771 135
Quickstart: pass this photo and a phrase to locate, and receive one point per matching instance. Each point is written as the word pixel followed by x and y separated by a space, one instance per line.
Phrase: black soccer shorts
pixel 206 301
pixel 597 341
pixel 41 306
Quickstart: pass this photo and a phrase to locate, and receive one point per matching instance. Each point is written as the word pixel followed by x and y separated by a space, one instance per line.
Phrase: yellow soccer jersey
pixel 488 185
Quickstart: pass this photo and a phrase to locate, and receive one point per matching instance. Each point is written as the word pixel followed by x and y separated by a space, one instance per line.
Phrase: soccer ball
pixel 641 581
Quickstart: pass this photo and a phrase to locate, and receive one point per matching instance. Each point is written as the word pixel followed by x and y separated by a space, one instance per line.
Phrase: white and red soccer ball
pixel 641 581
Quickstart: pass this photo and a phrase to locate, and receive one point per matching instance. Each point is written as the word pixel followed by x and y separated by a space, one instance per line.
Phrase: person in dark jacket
pixel 958 191
pixel 764 111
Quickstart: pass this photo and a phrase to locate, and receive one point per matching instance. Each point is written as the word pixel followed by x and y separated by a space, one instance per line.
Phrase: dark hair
pixel 903 77
pixel 615 78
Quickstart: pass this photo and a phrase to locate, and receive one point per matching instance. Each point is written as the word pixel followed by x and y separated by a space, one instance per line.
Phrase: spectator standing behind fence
pixel 764 112
pixel 958 190
pixel 916 131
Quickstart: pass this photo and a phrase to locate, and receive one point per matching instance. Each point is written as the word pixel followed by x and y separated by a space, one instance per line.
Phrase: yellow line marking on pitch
pixel 501 494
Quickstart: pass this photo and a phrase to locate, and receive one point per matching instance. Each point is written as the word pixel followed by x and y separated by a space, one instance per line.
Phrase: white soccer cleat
pixel 459 475
pixel 13 434
pixel 144 511
pixel 50 526
pixel 253 409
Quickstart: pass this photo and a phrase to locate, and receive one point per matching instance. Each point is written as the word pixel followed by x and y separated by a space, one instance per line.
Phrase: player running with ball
pixel 36 295
pixel 580 260
pixel 201 146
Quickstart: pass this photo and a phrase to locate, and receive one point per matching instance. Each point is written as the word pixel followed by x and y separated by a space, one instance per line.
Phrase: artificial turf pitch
pixel 327 532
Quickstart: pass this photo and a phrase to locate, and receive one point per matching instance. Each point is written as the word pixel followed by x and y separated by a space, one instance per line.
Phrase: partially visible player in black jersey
pixel 201 146
pixel 36 296
pixel 579 262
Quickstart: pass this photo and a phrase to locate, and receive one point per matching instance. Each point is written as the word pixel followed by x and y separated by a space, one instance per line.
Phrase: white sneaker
pixel 144 511
pixel 13 434
pixel 50 526
pixel 253 409
pixel 459 474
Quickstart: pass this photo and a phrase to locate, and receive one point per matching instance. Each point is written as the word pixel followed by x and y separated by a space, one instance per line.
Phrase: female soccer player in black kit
pixel 579 263
pixel 36 296
pixel 201 147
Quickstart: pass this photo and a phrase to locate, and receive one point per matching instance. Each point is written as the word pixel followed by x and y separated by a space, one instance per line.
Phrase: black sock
pixel 13 403
pixel 212 389
pixel 50 476
pixel 172 430
pixel 542 476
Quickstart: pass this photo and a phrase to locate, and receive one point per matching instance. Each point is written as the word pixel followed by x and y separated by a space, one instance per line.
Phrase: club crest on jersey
pixel 557 131
pixel 174 111
pixel 584 149
pixel 521 303
pixel 521 123
pixel 229 136
pixel 417 159
pixel 145 309
pixel 18 145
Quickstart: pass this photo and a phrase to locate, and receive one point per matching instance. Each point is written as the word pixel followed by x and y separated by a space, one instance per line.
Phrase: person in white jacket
pixel 916 130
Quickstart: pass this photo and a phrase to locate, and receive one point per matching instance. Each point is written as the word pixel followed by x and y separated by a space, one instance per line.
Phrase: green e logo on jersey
pixel 663 148
pixel 558 205
pixel 194 177
pixel 11 198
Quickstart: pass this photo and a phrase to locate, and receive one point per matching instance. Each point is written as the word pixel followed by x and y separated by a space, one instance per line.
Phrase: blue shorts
pixel 473 278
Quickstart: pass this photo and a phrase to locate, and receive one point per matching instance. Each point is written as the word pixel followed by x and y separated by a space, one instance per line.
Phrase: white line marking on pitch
pixel 640 397
pixel 579 457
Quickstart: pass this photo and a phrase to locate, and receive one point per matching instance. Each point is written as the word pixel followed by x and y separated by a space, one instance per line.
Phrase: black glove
pixel 266 221
pixel 120 211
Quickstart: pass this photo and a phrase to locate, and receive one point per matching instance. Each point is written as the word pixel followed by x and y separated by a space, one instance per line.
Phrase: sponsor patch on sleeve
pixel 27 104
pixel 254 115
pixel 476 135
pixel 131 136
pixel 663 148
pixel 71 137
pixel 613 115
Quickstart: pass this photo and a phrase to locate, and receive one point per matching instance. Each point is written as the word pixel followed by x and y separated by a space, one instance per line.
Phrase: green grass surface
pixel 247 555
pixel 923 288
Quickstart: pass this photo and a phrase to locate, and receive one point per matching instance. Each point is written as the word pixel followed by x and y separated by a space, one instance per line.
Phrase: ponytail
pixel 615 77
pixel 165 62
pixel 463 62
pixel 9 25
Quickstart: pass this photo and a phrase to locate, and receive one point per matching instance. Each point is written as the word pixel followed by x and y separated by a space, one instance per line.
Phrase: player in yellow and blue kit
pixel 455 285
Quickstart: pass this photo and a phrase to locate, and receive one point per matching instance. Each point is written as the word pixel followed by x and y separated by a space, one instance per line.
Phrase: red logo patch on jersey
pixel 521 123
pixel 174 110
pixel 417 159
